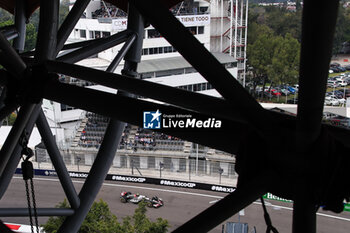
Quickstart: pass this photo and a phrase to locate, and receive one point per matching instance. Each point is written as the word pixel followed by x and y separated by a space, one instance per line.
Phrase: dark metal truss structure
pixel 310 167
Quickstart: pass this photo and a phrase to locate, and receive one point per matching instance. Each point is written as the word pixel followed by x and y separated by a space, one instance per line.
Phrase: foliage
pixel 273 45
pixel 285 61
pixel 100 219
pixel 30 34
pixel 33 23
pixel 260 55
pixel 12 118
pixel 64 9
pixel 5 15
pixel 54 223
pixel 279 20
pixel 282 21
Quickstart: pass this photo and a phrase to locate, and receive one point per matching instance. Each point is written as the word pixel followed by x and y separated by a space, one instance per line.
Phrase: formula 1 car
pixel 129 197
pixel 155 202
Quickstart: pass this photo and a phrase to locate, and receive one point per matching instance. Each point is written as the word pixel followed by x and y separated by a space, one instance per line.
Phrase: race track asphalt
pixel 180 205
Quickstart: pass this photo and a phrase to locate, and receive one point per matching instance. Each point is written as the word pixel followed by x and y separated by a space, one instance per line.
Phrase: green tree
pixel 64 10
pixel 339 35
pixel 143 225
pixel 100 219
pixel 54 223
pixel 260 55
pixel 5 15
pixel 255 30
pixel 282 21
pixel 30 34
pixel 284 67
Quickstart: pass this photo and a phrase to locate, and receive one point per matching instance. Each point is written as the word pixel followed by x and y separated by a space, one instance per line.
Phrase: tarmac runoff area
pixel 181 204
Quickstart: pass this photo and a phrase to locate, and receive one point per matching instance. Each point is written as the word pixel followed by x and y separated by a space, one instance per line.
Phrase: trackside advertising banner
pixel 146 180
pixel 163 182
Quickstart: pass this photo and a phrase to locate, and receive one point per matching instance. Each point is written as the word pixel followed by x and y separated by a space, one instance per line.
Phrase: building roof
pixel 173 63
pixel 178 80
pixel 32 5
pixel 292 108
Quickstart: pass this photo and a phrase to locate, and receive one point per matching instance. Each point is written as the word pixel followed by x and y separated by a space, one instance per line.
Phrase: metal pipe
pixel 69 23
pixel 57 161
pixel 14 135
pixel 23 212
pixel 226 207
pixel 311 102
pixel 304 212
pixel 310 96
pixel 189 100
pixel 20 24
pixel 12 164
pixel 236 19
pixel 67 46
pixel 95 47
pixel 80 44
pixel 231 28
pixel 10 59
pixel 121 53
pixel 221 25
pixel 47 33
pixel 245 42
pixel 9 32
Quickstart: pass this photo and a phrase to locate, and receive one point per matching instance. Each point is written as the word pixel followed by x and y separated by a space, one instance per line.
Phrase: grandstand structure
pixel 145 149
pixel 308 147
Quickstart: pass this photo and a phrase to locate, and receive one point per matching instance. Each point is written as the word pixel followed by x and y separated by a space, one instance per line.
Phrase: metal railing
pixel 176 167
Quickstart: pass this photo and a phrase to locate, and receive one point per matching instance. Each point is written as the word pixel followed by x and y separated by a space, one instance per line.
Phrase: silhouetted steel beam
pixel 80 44
pixel 95 47
pixel 10 59
pixel 14 135
pixel 57 161
pixel 314 66
pixel 12 164
pixel 208 66
pixel 121 53
pixel 9 32
pixel 186 99
pixel 66 46
pixel 20 24
pixel 47 33
pixel 69 22
pixel 23 212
